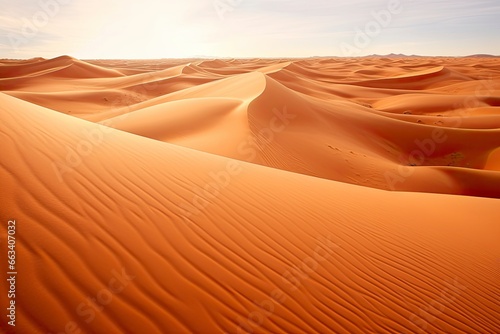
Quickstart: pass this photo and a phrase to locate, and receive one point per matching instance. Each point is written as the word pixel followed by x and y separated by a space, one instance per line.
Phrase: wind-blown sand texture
pixel 253 196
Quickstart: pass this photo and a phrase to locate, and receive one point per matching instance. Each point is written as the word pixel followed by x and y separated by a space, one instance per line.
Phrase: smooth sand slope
pixel 215 204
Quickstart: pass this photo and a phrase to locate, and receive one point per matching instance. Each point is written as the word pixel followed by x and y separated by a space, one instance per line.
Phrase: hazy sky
pixel 246 28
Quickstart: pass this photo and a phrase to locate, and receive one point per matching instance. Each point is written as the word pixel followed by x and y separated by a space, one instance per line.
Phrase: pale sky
pixel 91 29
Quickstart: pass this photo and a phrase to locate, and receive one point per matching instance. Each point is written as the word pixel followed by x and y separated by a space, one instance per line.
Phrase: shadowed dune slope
pixel 25 75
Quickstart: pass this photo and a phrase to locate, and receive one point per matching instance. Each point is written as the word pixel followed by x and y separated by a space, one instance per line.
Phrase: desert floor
pixel 252 196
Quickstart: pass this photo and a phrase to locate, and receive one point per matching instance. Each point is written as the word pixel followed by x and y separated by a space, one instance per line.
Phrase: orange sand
pixel 251 196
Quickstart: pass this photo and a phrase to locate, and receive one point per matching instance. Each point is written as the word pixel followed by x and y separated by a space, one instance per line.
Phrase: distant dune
pixel 483 56
pixel 325 195
pixel 401 55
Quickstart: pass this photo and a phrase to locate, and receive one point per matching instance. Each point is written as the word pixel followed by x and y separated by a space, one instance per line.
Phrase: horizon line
pixel 393 55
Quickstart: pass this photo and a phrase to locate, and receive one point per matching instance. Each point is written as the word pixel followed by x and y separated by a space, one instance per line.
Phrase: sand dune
pixel 251 196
